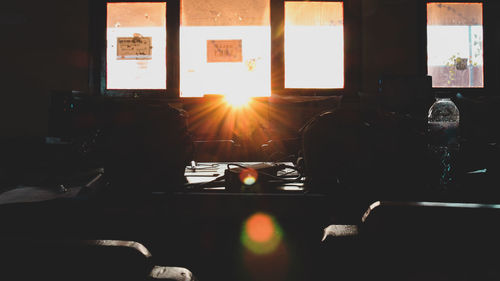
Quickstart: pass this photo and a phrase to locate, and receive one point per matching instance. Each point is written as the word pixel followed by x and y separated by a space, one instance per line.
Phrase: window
pixel 136 46
pixel 455 44
pixel 314 45
pixel 239 48
pixel 225 48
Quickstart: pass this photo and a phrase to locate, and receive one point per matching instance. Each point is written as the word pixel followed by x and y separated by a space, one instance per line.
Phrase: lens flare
pixel 260 228
pixel 248 176
pixel 249 180
pixel 261 234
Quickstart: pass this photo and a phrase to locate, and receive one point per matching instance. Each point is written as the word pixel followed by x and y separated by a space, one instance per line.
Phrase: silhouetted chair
pixel 423 240
pixel 32 259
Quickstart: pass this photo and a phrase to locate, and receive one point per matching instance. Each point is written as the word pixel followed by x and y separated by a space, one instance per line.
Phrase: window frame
pixel 488 65
pixel 97 47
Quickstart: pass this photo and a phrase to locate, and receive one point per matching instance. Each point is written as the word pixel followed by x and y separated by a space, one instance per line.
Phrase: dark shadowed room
pixel 250 140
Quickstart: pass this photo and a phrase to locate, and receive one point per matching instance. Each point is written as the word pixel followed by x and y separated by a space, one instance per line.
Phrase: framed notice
pixel 224 51
pixel 134 48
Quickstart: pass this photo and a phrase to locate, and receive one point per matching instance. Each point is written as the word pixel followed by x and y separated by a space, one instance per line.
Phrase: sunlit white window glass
pixel 455 44
pixel 136 45
pixel 225 48
pixel 314 45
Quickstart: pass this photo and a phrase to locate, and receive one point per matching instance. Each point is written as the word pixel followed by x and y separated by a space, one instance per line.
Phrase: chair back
pixel 33 259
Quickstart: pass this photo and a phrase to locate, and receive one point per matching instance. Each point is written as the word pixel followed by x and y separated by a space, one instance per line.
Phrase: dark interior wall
pixel 391 37
pixel 44 48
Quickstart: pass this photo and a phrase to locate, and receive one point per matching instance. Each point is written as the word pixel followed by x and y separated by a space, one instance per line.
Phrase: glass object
pixel 443 124
pixel 225 48
pixel 136 45
pixel 314 45
pixel 455 44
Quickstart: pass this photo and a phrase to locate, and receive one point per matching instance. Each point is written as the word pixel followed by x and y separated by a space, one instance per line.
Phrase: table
pixel 209 177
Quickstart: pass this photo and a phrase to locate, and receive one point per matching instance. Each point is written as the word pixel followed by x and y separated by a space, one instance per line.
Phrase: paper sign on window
pixel 224 51
pixel 134 48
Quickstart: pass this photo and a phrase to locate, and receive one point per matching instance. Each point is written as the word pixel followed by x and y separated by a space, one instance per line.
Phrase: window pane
pixel 225 48
pixel 455 44
pixel 314 45
pixel 136 46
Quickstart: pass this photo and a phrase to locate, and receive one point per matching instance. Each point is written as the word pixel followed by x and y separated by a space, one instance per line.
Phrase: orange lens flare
pixel 261 234
pixel 249 180
pixel 248 176
pixel 260 228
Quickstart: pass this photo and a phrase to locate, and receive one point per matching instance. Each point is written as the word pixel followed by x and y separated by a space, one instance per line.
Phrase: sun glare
pixel 236 101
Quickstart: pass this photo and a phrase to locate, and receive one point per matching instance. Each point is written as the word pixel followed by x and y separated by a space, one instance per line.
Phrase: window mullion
pixel 277 46
pixel 173 26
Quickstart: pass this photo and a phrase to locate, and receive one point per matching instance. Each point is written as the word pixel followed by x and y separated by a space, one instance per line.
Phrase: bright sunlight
pixel 242 71
pixel 237 101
